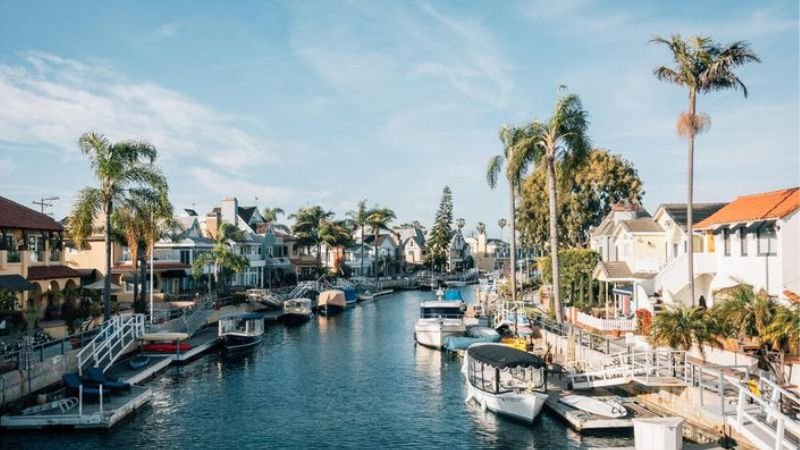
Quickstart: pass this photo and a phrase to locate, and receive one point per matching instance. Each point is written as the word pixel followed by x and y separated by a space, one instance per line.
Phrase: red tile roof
pixel 51 272
pixel 792 296
pixel 764 206
pixel 14 215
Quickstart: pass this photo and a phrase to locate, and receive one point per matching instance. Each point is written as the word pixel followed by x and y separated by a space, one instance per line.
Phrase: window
pixel 726 241
pixel 742 242
pixel 767 241
pixel 185 257
pixel 675 249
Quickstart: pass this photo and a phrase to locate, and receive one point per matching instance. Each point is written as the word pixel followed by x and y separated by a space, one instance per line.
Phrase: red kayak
pixel 167 347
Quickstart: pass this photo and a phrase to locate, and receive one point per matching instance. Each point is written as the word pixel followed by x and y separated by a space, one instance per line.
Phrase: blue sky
pixel 312 102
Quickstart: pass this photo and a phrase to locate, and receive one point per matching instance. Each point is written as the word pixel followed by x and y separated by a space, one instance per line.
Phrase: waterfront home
pixel 352 258
pixel 251 247
pixel 672 218
pixel 458 251
pixel 32 259
pixel 489 254
pixel 755 239
pixel 412 241
pixel 389 259
pixel 276 253
pixel 179 251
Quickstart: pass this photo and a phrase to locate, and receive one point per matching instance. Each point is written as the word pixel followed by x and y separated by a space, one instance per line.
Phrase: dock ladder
pixel 111 342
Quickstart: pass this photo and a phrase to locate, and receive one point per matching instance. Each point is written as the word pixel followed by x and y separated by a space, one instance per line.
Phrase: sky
pixel 327 102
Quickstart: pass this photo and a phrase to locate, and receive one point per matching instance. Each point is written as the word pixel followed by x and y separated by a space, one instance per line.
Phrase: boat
pixel 439 319
pixel 455 283
pixel 331 302
pixel 366 296
pixel 597 406
pixel 138 362
pixel 296 311
pixel 452 295
pixel 475 335
pixel 505 381
pixel 350 296
pixel 241 331
pixel 165 342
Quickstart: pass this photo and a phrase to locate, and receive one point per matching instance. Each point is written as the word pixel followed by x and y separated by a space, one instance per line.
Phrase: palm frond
pixel 87 206
pixel 493 169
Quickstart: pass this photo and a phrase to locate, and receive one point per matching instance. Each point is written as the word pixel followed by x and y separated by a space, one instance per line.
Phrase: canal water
pixel 353 380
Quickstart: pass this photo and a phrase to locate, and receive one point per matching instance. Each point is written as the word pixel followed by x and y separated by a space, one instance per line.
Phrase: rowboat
pixel 593 405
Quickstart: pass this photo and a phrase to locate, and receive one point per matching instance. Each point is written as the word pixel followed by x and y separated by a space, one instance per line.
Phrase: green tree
pixel 560 140
pixel 222 255
pixel 308 222
pixel 335 234
pixel 271 218
pixel 118 168
pixel 744 313
pixel 683 327
pixel 701 66
pixel 359 217
pixel 576 272
pixel 8 300
pixel 379 219
pixel 599 182
pixel 785 326
pixel 439 241
pixel 512 139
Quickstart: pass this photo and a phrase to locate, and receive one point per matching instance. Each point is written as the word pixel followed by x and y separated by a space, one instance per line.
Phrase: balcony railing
pixel 55 254
pixel 13 256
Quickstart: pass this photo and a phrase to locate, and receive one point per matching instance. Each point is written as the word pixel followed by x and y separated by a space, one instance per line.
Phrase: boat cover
pixel 332 297
pixel 243 316
pixel 453 294
pixel 164 337
pixel 502 357
pixel 350 294
pixel 453 343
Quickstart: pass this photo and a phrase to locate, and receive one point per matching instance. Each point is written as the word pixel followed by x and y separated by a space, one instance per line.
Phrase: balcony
pixel 673 277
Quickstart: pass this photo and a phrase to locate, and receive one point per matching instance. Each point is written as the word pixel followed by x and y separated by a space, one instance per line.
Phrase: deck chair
pixel 97 377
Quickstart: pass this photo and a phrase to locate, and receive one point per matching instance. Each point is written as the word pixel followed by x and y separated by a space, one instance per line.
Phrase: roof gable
pixel 677 212
pixel 763 206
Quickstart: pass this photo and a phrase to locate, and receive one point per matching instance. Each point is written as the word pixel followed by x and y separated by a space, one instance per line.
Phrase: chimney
pixel 230 211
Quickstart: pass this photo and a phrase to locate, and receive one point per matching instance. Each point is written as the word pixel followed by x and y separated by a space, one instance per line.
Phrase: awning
pixel 623 290
pixel 502 356
pixel 174 273
pixel 15 283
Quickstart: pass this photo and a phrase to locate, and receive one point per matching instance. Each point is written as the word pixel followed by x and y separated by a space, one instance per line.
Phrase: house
pixel 412 241
pixel 489 254
pixel 276 253
pixel 458 252
pixel 755 239
pixel 32 259
pixel 251 247
pixel 630 244
pixel 353 259
pixel 387 254
pixel 671 217
pixel 182 248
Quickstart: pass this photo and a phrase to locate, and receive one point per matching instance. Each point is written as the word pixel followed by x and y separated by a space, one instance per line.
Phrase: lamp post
pixel 152 268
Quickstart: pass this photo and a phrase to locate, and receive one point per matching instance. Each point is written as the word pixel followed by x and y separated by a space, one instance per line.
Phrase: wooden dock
pixel 86 416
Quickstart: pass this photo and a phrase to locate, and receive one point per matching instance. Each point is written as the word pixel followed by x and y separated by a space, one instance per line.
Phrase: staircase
pixel 673 277
pixel 659 367
pixel 191 320
pixel 114 337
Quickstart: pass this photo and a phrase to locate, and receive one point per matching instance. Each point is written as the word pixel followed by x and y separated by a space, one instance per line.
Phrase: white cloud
pixel 51 101
pixel 225 185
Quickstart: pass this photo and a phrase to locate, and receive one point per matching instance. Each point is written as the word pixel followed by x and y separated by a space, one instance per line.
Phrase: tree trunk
pixel 362 251
pixel 513 256
pixel 107 279
pixel 319 259
pixel 135 260
pixel 145 279
pixel 690 196
pixel 551 187
pixel 375 244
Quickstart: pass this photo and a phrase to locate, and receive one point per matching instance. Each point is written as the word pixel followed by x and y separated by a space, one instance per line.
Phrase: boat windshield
pixel 441 312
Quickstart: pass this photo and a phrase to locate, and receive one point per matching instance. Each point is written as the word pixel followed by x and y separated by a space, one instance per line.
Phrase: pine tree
pixel 440 232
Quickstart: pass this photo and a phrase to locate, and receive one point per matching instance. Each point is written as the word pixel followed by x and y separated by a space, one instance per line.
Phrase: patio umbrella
pixel 99 286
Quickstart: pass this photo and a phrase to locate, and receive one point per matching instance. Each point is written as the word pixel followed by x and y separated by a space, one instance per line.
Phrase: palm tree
pixel 118 168
pixel 785 326
pixel 271 218
pixel 560 139
pixel 745 313
pixel 379 219
pixel 702 66
pixel 308 224
pixel 334 234
pixel 502 224
pixel 481 227
pixel 359 217
pixel 221 255
pixel 683 327
pixel 511 137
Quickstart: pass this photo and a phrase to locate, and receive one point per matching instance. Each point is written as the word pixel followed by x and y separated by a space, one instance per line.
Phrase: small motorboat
pixel 296 311
pixel 241 331
pixel 438 320
pixel 331 302
pixel 138 362
pixel 505 380
pixel 165 342
pixel 475 335
pixel 598 406
pixel 350 296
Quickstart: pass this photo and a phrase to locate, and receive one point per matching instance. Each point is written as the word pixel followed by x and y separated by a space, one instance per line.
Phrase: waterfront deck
pixel 123 372
pixel 584 421
pixel 89 415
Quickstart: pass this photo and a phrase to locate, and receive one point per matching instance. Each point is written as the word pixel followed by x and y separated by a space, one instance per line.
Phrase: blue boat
pixel 453 295
pixel 350 295
pixel 475 335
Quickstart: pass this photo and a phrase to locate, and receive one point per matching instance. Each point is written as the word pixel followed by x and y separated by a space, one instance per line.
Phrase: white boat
pixel 240 331
pixel 600 407
pixel 505 380
pixel 438 320
pixel 296 311
pixel 455 283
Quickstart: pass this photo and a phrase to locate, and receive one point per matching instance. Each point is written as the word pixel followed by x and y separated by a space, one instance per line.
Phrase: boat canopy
pixel 332 297
pixel 453 294
pixel 243 316
pixel 502 357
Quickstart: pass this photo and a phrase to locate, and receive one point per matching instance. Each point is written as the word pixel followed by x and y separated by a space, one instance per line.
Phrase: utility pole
pixel 45 202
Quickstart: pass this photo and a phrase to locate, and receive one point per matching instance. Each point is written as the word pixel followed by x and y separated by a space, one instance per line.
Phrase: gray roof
pixel 647 225
pixel 619 270
pixel 700 211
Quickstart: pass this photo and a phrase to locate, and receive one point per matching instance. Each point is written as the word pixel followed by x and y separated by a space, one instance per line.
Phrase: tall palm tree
pixel 118 168
pixel 511 138
pixel 562 139
pixel 502 224
pixel 701 66
pixel 222 255
pixel 271 218
pixel 683 327
pixel 379 219
pixel 334 234
pixel 359 217
pixel 481 227
pixel 307 226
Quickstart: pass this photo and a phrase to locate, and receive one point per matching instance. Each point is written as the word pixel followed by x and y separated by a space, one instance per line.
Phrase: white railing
pixel 621 368
pixel 605 324
pixel 771 428
pixel 112 340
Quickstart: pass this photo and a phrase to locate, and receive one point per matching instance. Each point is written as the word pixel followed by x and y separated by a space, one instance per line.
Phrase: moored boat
pixel 350 296
pixel 597 406
pixel 296 311
pixel 455 283
pixel 505 381
pixel 331 302
pixel 241 331
pixel 438 320
pixel 165 342
pixel 475 335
